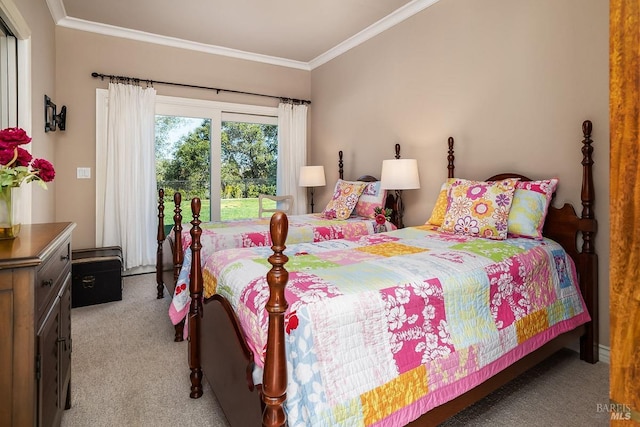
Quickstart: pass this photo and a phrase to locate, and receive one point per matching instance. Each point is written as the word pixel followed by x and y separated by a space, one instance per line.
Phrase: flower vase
pixel 380 228
pixel 10 212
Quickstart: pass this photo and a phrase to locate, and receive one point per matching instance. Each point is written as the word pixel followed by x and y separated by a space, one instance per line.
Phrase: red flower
pixel 6 156
pixel 17 165
pixel 380 219
pixel 290 322
pixel 24 157
pixel 10 138
pixel 44 169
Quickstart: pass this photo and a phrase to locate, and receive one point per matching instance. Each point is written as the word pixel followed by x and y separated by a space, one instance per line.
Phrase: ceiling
pixel 295 33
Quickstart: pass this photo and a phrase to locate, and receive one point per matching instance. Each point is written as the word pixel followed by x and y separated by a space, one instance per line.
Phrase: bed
pixel 255 232
pixel 219 348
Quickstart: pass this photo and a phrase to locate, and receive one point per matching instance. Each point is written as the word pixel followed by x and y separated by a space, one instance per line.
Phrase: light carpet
pixel 127 371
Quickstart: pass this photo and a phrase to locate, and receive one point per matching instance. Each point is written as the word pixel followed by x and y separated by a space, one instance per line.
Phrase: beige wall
pixel 510 80
pixel 79 53
pixel 42 58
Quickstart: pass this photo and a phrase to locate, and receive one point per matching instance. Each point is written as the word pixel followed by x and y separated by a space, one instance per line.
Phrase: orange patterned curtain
pixel 624 275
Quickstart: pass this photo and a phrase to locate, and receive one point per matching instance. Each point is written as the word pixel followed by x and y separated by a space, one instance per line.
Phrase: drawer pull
pixel 47 282
pixel 88 281
pixel 64 257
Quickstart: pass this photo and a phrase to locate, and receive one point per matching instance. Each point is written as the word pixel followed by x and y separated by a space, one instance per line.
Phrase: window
pixel 205 136
pixel 224 153
pixel 8 78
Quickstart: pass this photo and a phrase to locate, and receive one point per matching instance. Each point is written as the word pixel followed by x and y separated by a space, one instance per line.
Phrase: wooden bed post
pixel 178 255
pixel 450 159
pixel 274 382
pixel 195 308
pixel 161 237
pixel 589 342
pixel 340 165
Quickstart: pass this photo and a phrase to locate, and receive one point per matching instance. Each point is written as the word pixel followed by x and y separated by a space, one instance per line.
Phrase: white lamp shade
pixel 400 174
pixel 312 176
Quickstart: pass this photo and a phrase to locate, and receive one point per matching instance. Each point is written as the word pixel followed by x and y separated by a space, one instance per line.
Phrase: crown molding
pixel 60 17
pixel 57 10
pixel 394 18
pixel 110 30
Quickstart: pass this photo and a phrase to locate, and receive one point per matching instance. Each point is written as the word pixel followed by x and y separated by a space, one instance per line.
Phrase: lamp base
pixel 399 208
pixel 394 202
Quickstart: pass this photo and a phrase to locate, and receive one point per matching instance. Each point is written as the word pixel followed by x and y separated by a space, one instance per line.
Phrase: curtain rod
pixel 136 80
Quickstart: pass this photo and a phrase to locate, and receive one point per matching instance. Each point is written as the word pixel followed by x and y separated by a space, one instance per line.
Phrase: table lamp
pixel 398 175
pixel 312 176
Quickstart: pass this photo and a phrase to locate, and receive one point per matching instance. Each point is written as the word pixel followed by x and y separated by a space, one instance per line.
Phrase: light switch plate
pixel 83 173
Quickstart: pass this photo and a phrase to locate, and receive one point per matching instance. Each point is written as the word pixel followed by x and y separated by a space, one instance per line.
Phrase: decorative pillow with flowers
pixel 345 197
pixel 372 196
pixel 530 206
pixel 17 165
pixel 478 208
pixel 440 208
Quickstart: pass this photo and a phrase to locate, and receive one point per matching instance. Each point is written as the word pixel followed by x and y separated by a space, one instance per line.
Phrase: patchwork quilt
pixel 255 232
pixel 384 327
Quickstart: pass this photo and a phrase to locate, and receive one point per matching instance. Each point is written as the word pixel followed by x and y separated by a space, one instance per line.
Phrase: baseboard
pixel 603 353
pixel 138 270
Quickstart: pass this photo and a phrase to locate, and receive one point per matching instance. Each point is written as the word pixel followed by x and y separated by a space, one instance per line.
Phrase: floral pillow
pixel 478 208
pixel 372 197
pixel 530 206
pixel 437 214
pixel 345 197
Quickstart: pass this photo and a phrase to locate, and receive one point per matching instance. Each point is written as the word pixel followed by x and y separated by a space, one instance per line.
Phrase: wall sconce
pixel 51 118
pixel 312 176
pixel 400 174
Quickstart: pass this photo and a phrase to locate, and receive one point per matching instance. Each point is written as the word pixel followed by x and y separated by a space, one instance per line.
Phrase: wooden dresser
pixel 35 325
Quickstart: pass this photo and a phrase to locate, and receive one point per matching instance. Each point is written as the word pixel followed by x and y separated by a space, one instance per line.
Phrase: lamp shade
pixel 400 174
pixel 312 176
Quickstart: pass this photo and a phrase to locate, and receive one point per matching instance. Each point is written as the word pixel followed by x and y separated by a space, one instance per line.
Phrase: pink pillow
pixel 345 197
pixel 478 208
pixel 530 206
pixel 372 197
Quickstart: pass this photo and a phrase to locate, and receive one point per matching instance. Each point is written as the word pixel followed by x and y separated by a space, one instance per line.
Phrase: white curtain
pixel 292 153
pixel 130 216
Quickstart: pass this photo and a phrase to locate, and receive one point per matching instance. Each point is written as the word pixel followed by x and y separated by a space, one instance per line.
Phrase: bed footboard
pixel 227 363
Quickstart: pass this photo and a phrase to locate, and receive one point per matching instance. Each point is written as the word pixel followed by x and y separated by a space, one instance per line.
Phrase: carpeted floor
pixel 127 371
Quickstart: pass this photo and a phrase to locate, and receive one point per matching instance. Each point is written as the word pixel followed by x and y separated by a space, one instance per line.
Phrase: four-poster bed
pixel 253 232
pixel 219 347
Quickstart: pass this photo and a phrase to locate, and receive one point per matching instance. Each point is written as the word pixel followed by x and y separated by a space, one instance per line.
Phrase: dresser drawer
pixel 50 274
